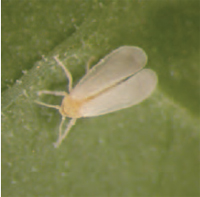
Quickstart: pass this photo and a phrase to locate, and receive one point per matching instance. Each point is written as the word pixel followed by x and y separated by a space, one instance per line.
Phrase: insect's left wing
pixel 125 94
pixel 116 66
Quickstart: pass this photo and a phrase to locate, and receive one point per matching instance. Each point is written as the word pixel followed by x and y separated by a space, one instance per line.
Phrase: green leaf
pixel 150 149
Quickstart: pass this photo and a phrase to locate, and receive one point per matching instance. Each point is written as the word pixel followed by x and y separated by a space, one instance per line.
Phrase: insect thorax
pixel 70 107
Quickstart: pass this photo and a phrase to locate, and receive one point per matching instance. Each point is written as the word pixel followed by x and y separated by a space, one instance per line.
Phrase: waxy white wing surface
pixel 118 65
pixel 125 94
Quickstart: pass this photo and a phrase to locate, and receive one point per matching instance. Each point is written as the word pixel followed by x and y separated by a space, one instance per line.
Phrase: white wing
pixel 127 93
pixel 118 65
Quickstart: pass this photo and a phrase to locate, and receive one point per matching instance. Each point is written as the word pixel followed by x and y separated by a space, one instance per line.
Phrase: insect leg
pixel 60 127
pixel 67 73
pixel 48 105
pixel 62 137
pixel 55 93
pixel 88 65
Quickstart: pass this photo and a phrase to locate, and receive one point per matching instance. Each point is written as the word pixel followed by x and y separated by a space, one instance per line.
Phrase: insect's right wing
pixel 127 93
pixel 118 65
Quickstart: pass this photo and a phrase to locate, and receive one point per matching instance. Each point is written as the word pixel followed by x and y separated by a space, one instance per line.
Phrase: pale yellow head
pixel 70 107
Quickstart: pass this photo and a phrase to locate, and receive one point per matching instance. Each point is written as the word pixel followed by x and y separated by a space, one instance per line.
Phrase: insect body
pixel 118 81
